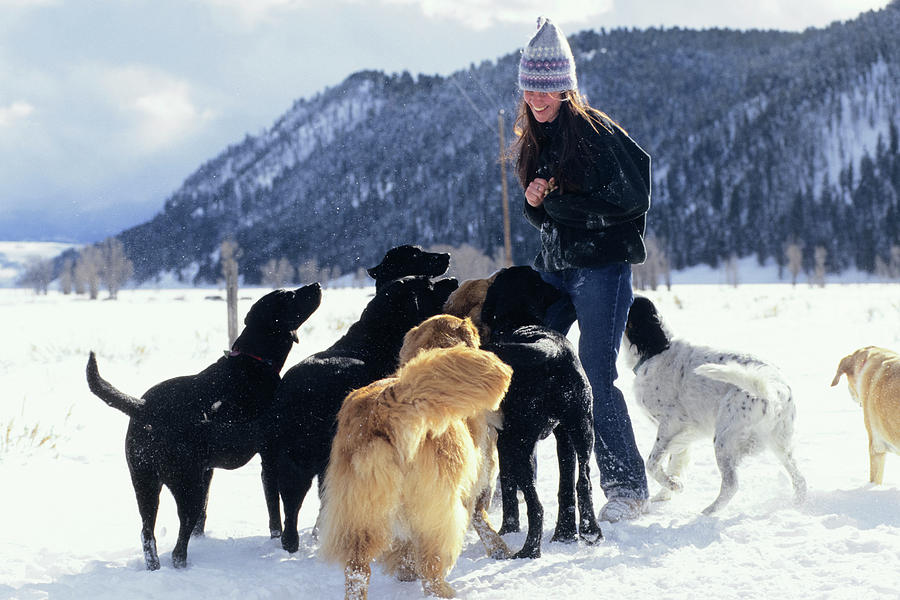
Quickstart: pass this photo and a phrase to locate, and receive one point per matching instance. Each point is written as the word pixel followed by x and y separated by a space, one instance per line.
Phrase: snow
pixel 70 527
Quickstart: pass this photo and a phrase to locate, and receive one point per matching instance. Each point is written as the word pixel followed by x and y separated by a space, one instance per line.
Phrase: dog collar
pixel 640 363
pixel 233 353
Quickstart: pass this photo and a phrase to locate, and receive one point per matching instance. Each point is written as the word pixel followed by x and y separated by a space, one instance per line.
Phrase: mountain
pixel 758 138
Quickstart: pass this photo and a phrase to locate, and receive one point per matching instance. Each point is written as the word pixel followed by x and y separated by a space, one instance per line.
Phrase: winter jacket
pixel 601 217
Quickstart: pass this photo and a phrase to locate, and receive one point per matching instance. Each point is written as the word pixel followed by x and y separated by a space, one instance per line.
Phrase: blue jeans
pixel 599 298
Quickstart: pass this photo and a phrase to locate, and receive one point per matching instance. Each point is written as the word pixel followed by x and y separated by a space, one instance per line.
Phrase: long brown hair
pixel 527 147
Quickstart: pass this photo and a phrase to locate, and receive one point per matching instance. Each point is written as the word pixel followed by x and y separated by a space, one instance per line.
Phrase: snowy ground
pixel 69 526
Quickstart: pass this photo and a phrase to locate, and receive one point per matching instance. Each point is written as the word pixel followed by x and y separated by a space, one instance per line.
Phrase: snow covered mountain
pixel 758 138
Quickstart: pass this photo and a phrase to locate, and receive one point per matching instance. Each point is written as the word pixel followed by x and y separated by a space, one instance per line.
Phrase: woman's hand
pixel 537 190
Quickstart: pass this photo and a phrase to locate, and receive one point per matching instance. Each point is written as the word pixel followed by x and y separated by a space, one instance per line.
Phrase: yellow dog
pixel 873 375
pixel 408 462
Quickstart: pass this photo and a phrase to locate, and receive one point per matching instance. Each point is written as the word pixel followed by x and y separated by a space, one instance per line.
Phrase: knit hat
pixel 547 64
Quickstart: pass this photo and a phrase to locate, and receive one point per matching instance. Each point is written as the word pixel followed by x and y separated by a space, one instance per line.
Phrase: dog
pixel 694 392
pixel 302 423
pixel 549 392
pixel 873 377
pixel 405 468
pixel 467 301
pixel 183 428
pixel 406 260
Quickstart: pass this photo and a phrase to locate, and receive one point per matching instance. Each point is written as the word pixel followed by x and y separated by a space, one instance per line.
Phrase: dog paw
pixel 440 589
pixel 591 533
pixel 528 553
pixel 509 528
pixel 565 537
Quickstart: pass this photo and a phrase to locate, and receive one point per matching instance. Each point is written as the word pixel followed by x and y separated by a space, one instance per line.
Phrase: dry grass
pixel 24 437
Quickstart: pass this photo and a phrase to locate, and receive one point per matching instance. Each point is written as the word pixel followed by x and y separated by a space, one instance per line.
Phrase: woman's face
pixel 544 105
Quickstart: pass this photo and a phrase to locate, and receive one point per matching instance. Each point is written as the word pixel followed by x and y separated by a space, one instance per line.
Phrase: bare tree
pixel 277 273
pixel 87 271
pixel 468 262
pixel 794 255
pixel 308 271
pixel 819 274
pixel 655 268
pixel 38 274
pixel 894 265
pixel 229 254
pixel 117 268
pixel 67 276
pixel 732 277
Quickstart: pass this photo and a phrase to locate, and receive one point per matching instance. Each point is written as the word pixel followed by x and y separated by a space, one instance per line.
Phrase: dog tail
pixel 756 380
pixel 363 481
pixel 104 390
pixel 441 385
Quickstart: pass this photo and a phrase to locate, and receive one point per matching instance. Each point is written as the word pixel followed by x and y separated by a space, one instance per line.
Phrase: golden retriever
pixel 873 376
pixel 467 300
pixel 406 468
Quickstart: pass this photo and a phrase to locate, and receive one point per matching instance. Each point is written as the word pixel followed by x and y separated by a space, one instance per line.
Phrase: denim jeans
pixel 599 298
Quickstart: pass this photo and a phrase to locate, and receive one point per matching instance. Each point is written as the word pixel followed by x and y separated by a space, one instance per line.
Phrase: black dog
pixel 406 260
pixel 549 391
pixel 310 395
pixel 183 428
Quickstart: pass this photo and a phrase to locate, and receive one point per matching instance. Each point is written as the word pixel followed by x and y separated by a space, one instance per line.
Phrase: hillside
pixel 758 138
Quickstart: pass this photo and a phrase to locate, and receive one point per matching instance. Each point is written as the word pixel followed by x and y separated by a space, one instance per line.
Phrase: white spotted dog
pixel 694 392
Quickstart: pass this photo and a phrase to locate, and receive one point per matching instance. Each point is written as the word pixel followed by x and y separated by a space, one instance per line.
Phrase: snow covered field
pixel 69 526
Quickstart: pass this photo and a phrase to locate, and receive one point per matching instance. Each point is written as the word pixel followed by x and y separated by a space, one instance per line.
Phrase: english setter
pixel 693 392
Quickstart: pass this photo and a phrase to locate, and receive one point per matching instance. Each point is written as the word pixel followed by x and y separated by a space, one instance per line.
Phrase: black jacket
pixel 601 217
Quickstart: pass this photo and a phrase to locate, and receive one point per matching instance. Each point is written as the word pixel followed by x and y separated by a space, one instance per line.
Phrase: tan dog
pixel 873 376
pixel 405 471
pixel 467 300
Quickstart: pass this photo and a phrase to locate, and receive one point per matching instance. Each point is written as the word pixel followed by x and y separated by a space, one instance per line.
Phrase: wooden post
pixel 230 253
pixel 507 241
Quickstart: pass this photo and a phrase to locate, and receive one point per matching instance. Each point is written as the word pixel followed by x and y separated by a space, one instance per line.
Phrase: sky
pixel 106 106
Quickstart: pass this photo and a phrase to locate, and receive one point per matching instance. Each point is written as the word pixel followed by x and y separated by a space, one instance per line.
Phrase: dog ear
pixel 846 366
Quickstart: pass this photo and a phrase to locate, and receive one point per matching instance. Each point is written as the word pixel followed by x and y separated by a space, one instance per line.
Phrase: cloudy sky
pixel 107 105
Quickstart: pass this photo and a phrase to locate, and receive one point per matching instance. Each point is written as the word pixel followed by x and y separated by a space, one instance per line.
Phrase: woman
pixel 587 189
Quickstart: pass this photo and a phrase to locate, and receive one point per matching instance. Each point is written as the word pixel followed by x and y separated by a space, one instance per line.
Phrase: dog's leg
pixel 876 463
pixel 269 475
pixel 508 455
pixel 582 445
pixel 200 527
pixel 493 544
pixel 146 489
pixel 786 456
pixel 293 490
pixel 658 455
pixel 400 560
pixel 356 580
pixel 188 493
pixel 678 460
pixel 727 457
pixel 522 470
pixel 565 455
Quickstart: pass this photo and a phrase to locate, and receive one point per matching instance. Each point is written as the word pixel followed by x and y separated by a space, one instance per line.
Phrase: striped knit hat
pixel 547 64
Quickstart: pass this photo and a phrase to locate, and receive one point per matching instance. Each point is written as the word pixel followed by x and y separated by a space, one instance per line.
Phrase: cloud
pixel 158 109
pixel 483 14
pixel 14 112
pixel 252 13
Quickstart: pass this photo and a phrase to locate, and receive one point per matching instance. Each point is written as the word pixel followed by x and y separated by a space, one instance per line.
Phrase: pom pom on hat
pixel 547 64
